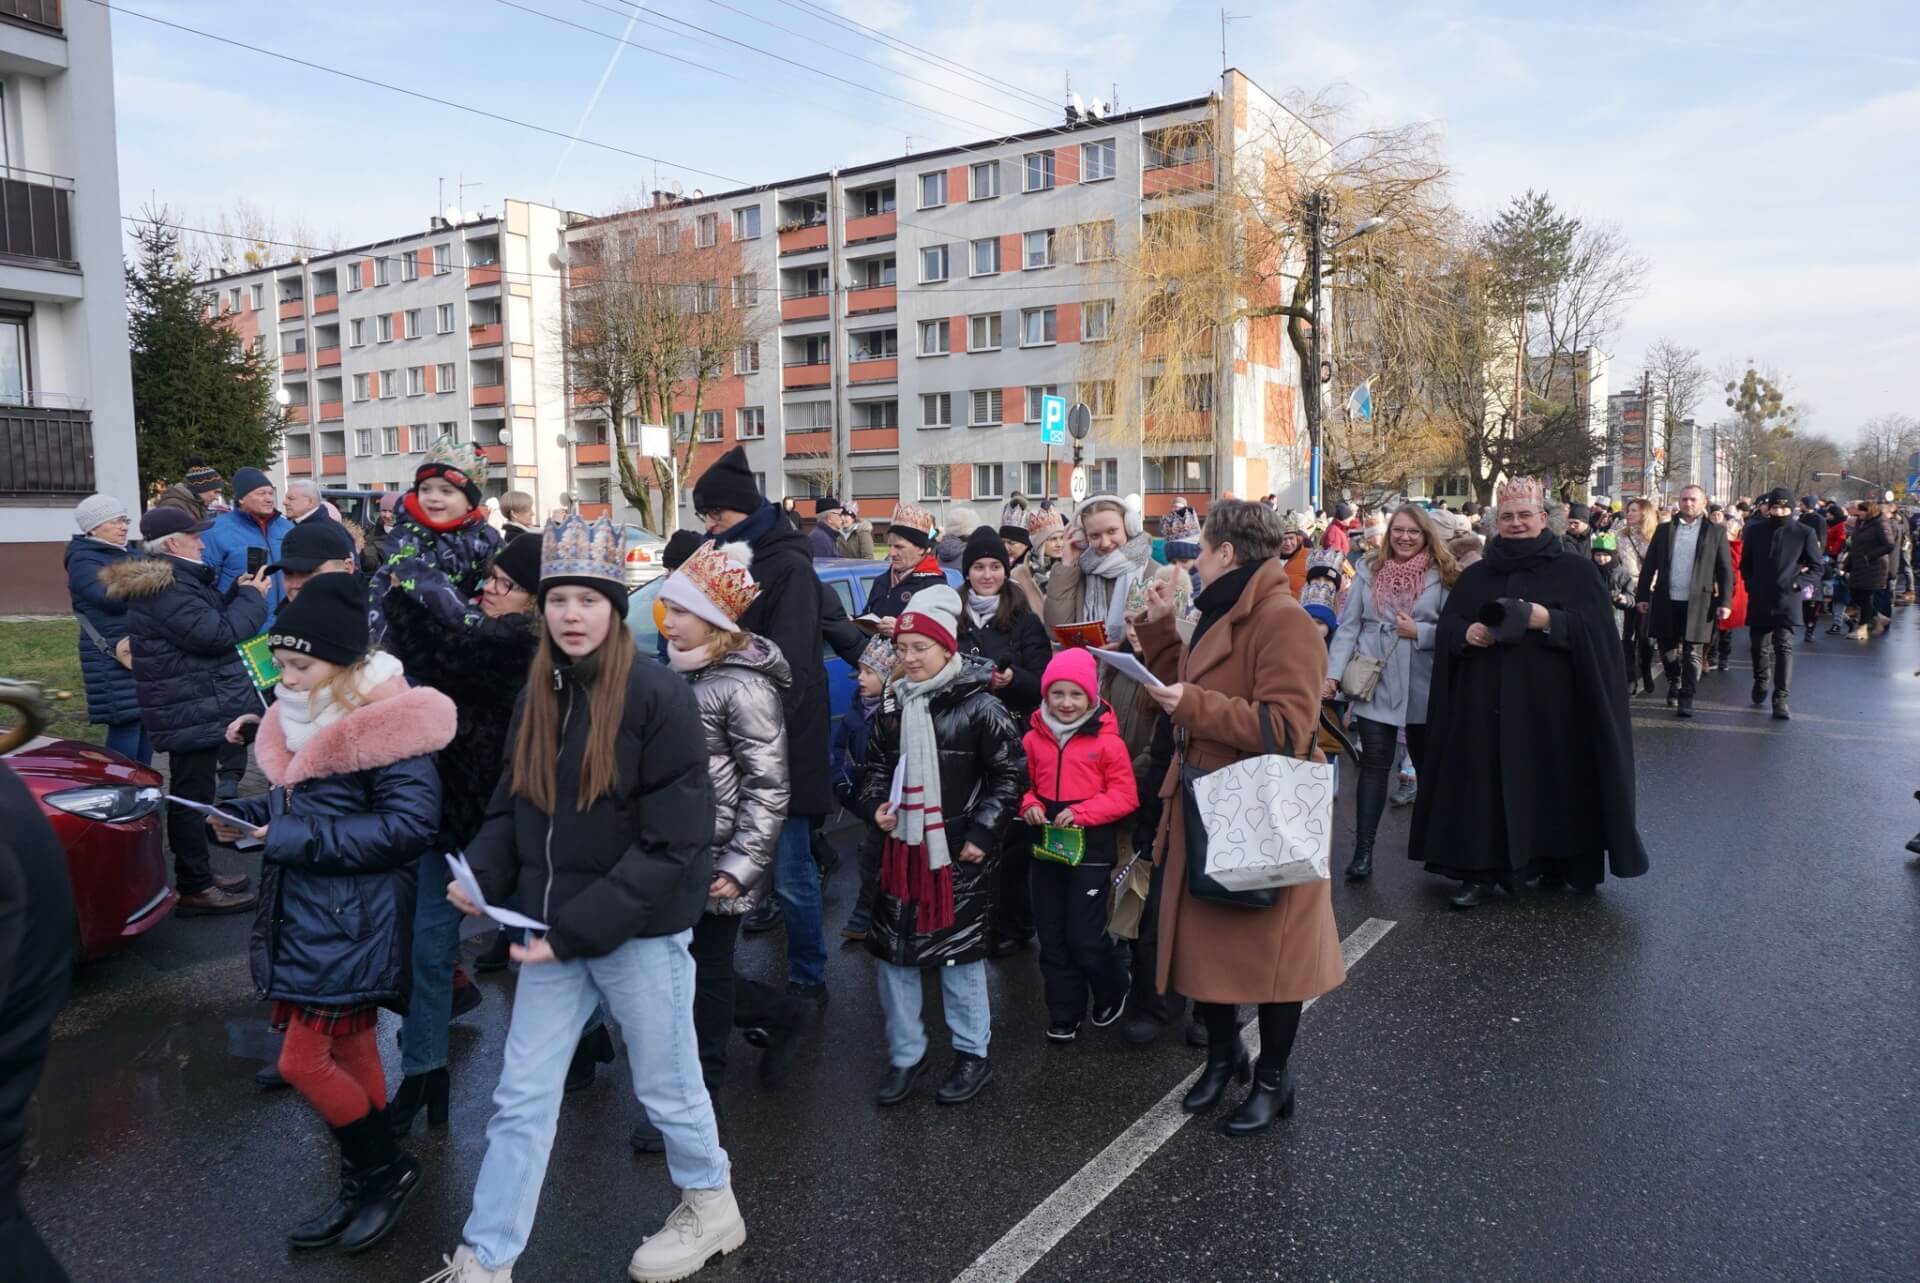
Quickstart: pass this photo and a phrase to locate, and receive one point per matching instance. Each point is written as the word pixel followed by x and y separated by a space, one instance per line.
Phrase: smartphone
pixel 256 558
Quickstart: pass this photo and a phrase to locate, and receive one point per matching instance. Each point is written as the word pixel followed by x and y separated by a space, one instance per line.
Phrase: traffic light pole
pixel 1315 217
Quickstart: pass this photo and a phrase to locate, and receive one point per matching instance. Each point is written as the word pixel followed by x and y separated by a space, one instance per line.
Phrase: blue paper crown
pixel 573 548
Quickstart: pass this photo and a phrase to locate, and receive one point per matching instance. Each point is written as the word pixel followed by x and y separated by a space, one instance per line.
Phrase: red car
pixel 107 811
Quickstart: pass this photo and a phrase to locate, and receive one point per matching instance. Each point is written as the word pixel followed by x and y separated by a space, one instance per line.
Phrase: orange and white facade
pixel 910 314
pixel 383 348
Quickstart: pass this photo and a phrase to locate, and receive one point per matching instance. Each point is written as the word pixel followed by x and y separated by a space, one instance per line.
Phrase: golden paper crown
pixel 1520 489
pixel 574 549
pixel 913 518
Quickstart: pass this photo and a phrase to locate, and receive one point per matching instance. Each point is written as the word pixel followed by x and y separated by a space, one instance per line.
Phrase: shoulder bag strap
pixel 93 634
pixel 1284 747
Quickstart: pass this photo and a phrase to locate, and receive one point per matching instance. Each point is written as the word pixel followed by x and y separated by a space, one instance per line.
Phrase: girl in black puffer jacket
pixel 355 802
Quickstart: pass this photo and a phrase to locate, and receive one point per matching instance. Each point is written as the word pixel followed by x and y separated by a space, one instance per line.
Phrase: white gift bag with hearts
pixel 1269 822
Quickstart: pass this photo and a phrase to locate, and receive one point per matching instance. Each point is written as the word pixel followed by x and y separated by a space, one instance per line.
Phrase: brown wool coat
pixel 1266 651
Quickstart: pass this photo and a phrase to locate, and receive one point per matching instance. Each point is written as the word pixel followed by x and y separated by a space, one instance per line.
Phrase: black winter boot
pixel 1271 1098
pixel 390 1179
pixel 1226 1062
pixel 328 1225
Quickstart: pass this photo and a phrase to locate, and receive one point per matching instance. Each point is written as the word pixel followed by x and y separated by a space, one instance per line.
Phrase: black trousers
pixel 24 1037
pixel 233 762
pixel 1013 911
pixel 190 775
pixel 1377 741
pixel 1279 1025
pixel 1637 643
pixel 724 1000
pixel 1723 645
pixel 1145 997
pixel 1772 658
pixel 1076 954
pixel 1680 659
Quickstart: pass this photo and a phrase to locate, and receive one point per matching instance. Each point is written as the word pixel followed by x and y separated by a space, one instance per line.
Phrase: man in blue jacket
pixel 254 522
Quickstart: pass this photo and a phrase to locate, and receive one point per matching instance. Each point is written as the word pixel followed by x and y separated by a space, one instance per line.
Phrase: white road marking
pixel 1023 1246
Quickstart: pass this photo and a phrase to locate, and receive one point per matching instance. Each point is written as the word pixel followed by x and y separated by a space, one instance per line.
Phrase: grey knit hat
pixel 97 510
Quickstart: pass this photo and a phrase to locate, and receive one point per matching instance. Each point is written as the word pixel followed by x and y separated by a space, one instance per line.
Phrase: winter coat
pixel 464 555
pixel 1092 773
pixel 981 772
pixel 1869 554
pixel 225 549
pixel 1773 556
pixel 1265 651
pixel 739 701
pixel 888 600
pixel 1836 539
pixel 857 543
pixel 178 496
pixel 480 664
pixel 1400 696
pixel 638 861
pixel 1631 551
pixel 820 538
pixel 1710 589
pixel 188 676
pixel 787 613
pixel 841 634
pixel 111 697
pixel 1022 647
pixel 348 817
pixel 1737 604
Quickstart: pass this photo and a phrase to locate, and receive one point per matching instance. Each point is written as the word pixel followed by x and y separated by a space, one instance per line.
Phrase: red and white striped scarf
pixel 915 866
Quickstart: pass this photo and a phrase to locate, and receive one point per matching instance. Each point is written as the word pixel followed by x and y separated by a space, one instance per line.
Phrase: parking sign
pixel 1053 420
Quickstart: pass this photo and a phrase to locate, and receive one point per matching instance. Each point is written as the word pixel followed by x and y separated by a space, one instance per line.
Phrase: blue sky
pixel 1762 156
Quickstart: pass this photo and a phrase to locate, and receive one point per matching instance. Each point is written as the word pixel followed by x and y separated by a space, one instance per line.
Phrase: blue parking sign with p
pixel 1053 420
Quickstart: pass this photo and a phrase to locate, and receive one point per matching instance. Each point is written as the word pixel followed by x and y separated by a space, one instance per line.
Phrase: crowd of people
pixel 453 682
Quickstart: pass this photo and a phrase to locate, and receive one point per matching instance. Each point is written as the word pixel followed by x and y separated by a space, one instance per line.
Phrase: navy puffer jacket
pixel 111 699
pixel 347 818
pixel 188 675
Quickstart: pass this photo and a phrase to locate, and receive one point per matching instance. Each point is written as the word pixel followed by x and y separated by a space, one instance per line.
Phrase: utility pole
pixel 1316 214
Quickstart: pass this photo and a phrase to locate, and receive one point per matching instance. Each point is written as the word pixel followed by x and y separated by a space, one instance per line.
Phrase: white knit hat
pixel 715 584
pixel 97 510
pixel 933 613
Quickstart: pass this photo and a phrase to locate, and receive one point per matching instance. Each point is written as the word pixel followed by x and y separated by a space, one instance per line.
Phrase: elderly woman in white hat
pixel 104 656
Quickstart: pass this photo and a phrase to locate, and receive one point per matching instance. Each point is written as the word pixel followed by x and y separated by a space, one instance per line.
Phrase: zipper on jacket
pixel 546 894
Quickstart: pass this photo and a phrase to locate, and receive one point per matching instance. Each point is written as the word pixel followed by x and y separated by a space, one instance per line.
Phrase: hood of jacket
pixel 760 656
pixel 137 577
pixel 402 722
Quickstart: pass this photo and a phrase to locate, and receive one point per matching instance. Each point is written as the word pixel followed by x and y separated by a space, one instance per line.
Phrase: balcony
pixel 806 374
pixel 326 356
pixel 871 227
pixel 592 455
pixel 333 465
pixel 490 394
pixel 801 239
pixel 807 307
pixel 293 309
pixel 36 219
pixel 484 335
pixel 864 439
pixel 881 371
pixel 493 453
pixel 293 362
pixel 484 274
pixel 300 467
pixel 324 303
pixel 333 411
pixel 806 443
pixel 45 453
pixel 1186 176
pixel 296 414
pixel 880 298
pixel 42 15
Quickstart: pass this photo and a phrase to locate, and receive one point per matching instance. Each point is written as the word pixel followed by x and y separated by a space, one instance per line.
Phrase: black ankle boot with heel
pixel 1226 1062
pixel 1271 1098
pixel 415 1092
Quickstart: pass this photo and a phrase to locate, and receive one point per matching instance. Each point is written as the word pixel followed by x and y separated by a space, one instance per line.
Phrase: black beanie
pixel 519 560
pixel 1011 535
pixel 1579 512
pixel 328 620
pixel 681 544
pixel 450 474
pixel 248 480
pixel 728 483
pixel 985 542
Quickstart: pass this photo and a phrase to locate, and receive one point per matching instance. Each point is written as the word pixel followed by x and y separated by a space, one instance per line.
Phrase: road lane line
pixel 1022 1247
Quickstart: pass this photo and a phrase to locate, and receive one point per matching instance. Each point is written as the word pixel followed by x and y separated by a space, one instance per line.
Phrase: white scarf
pixel 1105 579
pixel 689 661
pixel 304 713
pixel 981 608
pixel 922 822
pixel 1064 731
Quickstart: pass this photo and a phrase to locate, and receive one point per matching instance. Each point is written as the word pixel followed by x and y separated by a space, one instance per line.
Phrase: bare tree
pixel 1881 451
pixel 1679 380
pixel 244 237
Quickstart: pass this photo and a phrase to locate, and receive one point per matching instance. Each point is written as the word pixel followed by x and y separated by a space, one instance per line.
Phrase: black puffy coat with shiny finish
pixel 982 773
pixel 186 671
pixel 1022 648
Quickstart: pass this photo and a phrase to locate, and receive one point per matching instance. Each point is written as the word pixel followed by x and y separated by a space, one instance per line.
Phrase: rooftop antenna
pixel 1225 18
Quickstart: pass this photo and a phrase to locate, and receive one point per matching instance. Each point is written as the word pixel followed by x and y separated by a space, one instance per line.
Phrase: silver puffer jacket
pixel 739 699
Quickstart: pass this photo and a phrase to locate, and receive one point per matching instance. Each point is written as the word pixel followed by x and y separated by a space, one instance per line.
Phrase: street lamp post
pixel 1316 218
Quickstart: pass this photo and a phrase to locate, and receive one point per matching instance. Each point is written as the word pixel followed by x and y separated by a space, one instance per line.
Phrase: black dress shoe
pixel 415 1092
pixel 494 956
pixel 1686 706
pixel 969 1074
pixel 815 994
pixel 1272 1097
pixel 1361 867
pixel 646 1138
pixel 1759 693
pixel 898 1084
pixel 267 1077
pixel 763 919
pixel 1139 1028
pixel 1781 713
pixel 1224 1065
pixel 594 1049
pixel 1472 895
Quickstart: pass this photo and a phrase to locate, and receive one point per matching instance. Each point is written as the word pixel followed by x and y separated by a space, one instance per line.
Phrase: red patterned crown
pixel 714 584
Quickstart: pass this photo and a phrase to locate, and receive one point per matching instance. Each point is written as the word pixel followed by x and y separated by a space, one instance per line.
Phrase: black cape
pixel 1529 754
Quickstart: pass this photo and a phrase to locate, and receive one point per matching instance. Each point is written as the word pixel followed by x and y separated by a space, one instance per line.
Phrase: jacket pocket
pixel 349 910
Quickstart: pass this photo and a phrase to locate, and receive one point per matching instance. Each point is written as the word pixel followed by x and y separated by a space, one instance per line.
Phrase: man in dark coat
pixel 1775 553
pixel 829 515
pixel 1686 589
pixel 190 681
pixel 1579 536
pixel 191 494
pixel 787 613
pixel 1870 549
pixel 1529 763
pixel 1812 518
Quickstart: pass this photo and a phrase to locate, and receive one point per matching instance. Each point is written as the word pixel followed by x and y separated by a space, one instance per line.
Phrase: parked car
pixel 106 810
pixel 644 551
pixel 361 507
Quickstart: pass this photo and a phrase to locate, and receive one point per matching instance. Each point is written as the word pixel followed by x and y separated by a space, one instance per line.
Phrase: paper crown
pixel 1520 489
pixel 1182 526
pixel 912 517
pixel 571 548
pixel 1044 519
pixel 446 453
pixel 715 584
pixel 1013 512
pixel 880 656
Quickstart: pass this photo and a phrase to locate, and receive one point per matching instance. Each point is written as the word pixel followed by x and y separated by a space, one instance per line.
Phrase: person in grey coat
pixel 1686 589
pixel 1390 615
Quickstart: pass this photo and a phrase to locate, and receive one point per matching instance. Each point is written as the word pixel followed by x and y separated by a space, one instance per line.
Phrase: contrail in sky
pixel 594 101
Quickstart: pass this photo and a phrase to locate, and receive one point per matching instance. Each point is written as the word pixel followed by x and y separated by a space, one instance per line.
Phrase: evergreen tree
pixel 196 390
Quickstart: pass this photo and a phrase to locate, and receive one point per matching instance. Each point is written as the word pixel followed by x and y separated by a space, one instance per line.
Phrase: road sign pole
pixel 1046 481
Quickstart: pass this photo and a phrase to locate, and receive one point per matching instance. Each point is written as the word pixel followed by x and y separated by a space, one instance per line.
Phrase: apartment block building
pixel 385 347
pixel 903 319
pixel 66 391
pixel 1636 459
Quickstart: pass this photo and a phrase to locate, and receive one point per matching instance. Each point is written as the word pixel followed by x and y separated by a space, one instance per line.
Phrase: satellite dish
pixel 1079 107
pixel 677 188
pixel 698 194
pixel 454 216
pixel 559 258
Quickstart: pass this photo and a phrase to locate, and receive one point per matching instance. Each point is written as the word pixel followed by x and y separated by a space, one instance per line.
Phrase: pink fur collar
pixel 400 723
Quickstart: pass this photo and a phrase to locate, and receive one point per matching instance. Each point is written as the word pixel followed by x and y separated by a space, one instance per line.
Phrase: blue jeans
pixel 648 986
pixel 963 992
pixel 129 739
pixel 796 884
pixel 436 947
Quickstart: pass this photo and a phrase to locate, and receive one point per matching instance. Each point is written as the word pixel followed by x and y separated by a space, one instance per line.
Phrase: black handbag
pixel 1199 885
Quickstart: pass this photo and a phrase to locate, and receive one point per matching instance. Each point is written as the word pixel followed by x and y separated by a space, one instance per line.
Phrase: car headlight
pixel 108 805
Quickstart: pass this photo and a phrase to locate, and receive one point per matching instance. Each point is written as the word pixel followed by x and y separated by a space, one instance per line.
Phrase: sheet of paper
pixel 1121 661
pixel 899 791
pixel 214 811
pixel 470 887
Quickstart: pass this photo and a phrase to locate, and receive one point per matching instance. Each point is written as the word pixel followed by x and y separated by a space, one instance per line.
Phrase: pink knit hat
pixel 1073 665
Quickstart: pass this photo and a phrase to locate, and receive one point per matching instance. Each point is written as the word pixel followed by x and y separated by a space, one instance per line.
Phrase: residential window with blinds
pixel 985 408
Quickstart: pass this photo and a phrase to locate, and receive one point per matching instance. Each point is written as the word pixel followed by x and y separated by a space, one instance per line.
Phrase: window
pixel 933 189
pixel 258 297
pixel 1094 242
pixel 986 256
pixel 443 318
pixel 989 480
pixel 1096 320
pixel 410 265
pixel 1198 392
pixel 292 340
pixel 1033 477
pixel 936 481
pixel 353 280
pixel 983 332
pixel 713 423
pixel 442 259
pixel 746 289
pixel 413 322
pixel 933 337
pixel 389 384
pixel 985 408
pixel 1034 393
pixel 1098 394
pixel 443 377
pixel 706 297
pixel 1039 171
pixel 933 264
pixel 746 223
pixel 1180 145
pixel 875 345
pixel 360 388
pixel 706 230
pixel 1038 250
pixel 416 380
pixel 746 360
pixel 383 328
pixel 1178 474
pixel 390 440
pixel 666 237
pixel 1096 161
pixel 875 200
pixel 382 271
pixel 809 416
pixel 985 179
pixel 750 423
pixel 1103 476
pixel 876 414
pixel 418 439
pixel 814 350
pixel 451 432
pixel 1037 326
pixel 363 441
pixel 875 483
pixel 936 409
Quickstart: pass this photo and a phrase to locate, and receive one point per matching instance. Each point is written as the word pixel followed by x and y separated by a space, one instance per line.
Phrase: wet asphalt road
pixel 1704 1074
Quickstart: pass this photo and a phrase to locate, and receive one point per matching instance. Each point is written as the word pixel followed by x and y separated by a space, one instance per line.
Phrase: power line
pixel 898 45
pixel 632 44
